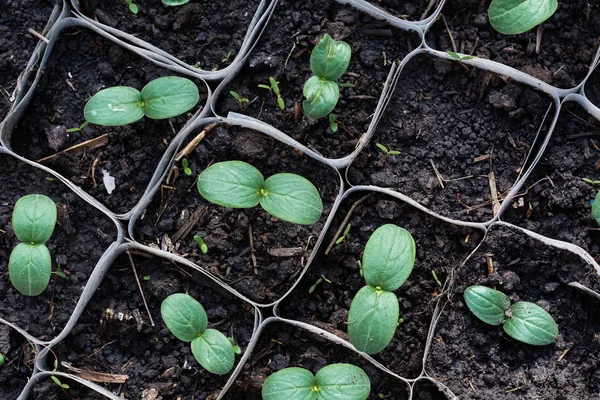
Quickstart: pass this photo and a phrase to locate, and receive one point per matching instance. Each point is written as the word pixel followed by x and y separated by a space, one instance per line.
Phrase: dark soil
pixel 79 239
pixel 109 338
pixel 88 62
pixel 283 345
pixel 478 361
pixel 19 357
pixel 283 52
pixel 556 200
pixel 592 88
pixel 16 43
pixel 226 231
pixel 200 33
pixel 440 247
pixel 409 10
pixel 443 114
pixel 49 390
pixel 569 40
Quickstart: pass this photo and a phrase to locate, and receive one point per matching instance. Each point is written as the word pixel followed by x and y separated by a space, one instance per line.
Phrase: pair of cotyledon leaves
pixel 328 62
pixel 523 321
pixel 333 382
pixel 388 260
pixel 30 264
pixel 186 319
pixel 161 98
pixel 512 17
pixel 237 184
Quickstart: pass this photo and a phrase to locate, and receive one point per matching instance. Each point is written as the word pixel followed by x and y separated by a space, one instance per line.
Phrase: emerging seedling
pixel 30 264
pixel 386 151
pixel 333 382
pixel 132 7
pixel 343 237
pixel 237 184
pixel 512 17
pixel 523 321
pixel 186 319
pixel 317 283
pixel 387 262
pixel 1 359
pixel 596 208
pixel 239 99
pixel 203 247
pixel 175 2
pixel 274 87
pixel 55 379
pixel 333 123
pixel 162 98
pixel 79 128
pixel 186 167
pixel 226 59
pixel 459 57
pixel 328 62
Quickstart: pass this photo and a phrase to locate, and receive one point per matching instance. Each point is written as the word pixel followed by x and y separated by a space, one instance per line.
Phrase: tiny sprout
pixel 79 128
pixel 459 57
pixel 186 169
pixel 591 182
pixel 226 59
pixel 60 273
pixel 175 2
pixel 343 237
pixel 274 87
pixel 386 151
pixel 317 283
pixel 436 278
pixel 236 349
pixel 201 243
pixel 239 99
pixel 1 359
pixel 132 7
pixel 55 379
pixel 333 123
pixel 596 208
pixel 146 277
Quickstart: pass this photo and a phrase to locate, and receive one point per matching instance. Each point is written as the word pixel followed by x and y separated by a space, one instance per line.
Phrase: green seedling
pixel 329 61
pixel 175 2
pixel 523 321
pixel 186 167
pixel 459 57
pixel 333 123
pixel 236 349
pixel 201 243
pixel 596 208
pixel 79 128
pixel 512 17
pixel 237 184
pixel 30 264
pixel 239 99
pixel 387 262
pixel 274 88
pixel 1 359
pixel 186 319
pixel 55 378
pixel 590 181
pixel 386 151
pixel 317 283
pixel 333 382
pixel 146 277
pixel 161 98
pixel 343 237
pixel 132 7
pixel 435 278
pixel 226 59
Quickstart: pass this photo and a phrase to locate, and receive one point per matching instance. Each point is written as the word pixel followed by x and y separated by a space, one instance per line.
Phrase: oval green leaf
pixel 29 268
pixel 290 384
pixel 234 184
pixel 34 218
pixel 512 17
pixel 487 304
pixel 214 352
pixel 292 198
pixel 531 324
pixel 372 319
pixel 342 381
pixel 321 97
pixel 389 257
pixel 184 316
pixel 169 96
pixel 119 105
pixel 330 58
pixel 175 2
pixel 596 208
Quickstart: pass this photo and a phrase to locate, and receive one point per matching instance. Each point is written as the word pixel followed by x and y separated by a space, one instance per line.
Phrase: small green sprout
pixel 239 99
pixel 347 85
pixel 459 57
pixel 596 208
pixel 79 128
pixel 55 379
pixel 343 237
pixel 236 349
pixel 512 17
pixel 387 262
pixel 335 381
pixel 435 278
pixel 186 167
pixel 317 283
pixel 30 264
pixel 329 61
pixel 274 87
pixel 161 98
pixel 523 321
pixel 226 59
pixel 186 319
pixel 1 359
pixel 386 151
pixel 175 2
pixel 237 184
pixel 203 247
pixel 591 182
pixel 146 277
pixel 60 273
pixel 333 123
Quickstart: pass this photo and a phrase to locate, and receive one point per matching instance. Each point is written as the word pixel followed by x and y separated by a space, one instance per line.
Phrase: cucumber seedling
pixel 175 2
pixel 30 264
pixel 329 60
pixel 161 98
pixel 524 321
pixel 186 319
pixel 596 208
pixel 387 262
pixel 512 17
pixel 237 184
pixel 333 382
